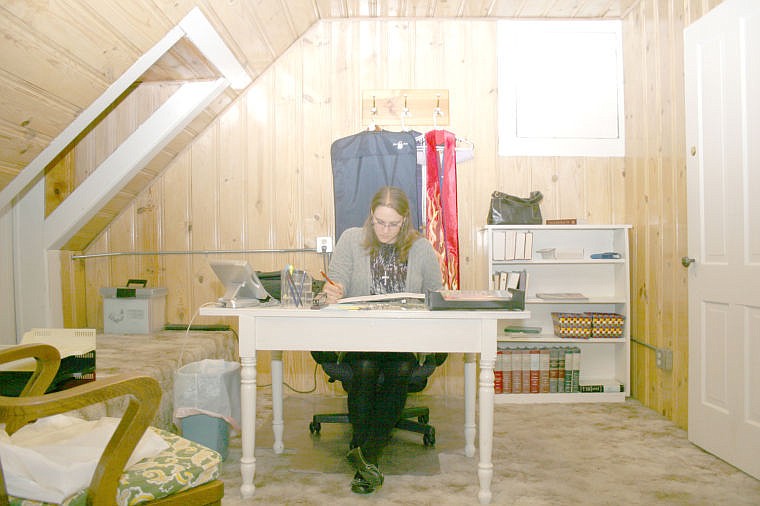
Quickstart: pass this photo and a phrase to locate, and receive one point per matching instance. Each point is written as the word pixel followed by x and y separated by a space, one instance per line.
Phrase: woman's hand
pixel 334 291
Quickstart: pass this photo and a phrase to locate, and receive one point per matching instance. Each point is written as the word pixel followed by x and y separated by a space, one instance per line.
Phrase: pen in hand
pixel 327 278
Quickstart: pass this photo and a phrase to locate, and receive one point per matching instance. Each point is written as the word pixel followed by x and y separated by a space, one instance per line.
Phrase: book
pixel 543 370
pixel 507 371
pixel 525 371
pixel 534 375
pixel 498 373
pixel 384 297
pixel 562 221
pixel 522 330
pixel 569 370
pixel 560 370
pixel 600 387
pixel 499 243
pixel 561 296
pixel 520 246
pixel 576 369
pixel 513 280
pixel 553 370
pixel 528 246
pixel 509 244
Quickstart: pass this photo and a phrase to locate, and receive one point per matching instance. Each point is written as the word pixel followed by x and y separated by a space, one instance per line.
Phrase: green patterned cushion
pixel 182 466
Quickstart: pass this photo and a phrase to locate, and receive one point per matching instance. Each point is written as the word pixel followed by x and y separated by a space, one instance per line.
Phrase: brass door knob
pixel 686 261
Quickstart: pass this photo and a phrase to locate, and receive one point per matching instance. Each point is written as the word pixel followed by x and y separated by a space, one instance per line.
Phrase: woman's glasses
pixel 390 226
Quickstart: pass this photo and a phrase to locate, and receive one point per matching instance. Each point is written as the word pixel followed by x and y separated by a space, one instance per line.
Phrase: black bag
pixel 510 210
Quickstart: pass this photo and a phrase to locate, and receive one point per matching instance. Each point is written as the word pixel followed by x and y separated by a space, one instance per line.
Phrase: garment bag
pixel 363 163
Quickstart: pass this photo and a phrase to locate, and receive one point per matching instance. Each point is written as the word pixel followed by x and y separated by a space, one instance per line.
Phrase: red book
pixel 498 373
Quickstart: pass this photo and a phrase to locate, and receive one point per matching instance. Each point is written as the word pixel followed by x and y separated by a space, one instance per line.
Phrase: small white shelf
pixel 605 283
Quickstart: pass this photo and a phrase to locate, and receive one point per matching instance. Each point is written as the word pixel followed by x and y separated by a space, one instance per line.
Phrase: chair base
pixel 420 426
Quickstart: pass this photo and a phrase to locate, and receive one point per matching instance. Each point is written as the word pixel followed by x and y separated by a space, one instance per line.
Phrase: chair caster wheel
pixel 428 439
pixel 315 427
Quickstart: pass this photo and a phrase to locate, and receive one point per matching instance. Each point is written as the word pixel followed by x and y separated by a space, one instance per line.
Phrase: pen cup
pixel 295 288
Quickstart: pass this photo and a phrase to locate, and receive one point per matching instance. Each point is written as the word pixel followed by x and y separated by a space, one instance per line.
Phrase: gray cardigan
pixel 349 265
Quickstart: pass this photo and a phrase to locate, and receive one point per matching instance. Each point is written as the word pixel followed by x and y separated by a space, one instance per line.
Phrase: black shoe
pixel 369 472
pixel 361 486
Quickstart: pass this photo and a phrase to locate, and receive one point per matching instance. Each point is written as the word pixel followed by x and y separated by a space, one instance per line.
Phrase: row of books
pixel 539 370
pixel 512 245
pixel 505 280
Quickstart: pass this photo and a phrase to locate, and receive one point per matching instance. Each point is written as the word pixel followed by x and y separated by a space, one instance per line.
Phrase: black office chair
pixel 341 371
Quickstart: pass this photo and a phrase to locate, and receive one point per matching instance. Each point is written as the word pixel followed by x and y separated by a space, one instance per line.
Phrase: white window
pixel 560 88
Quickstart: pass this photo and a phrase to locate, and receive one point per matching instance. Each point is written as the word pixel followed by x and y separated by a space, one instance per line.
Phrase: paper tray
pixel 436 302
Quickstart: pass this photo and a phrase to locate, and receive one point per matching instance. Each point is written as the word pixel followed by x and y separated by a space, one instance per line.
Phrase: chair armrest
pixel 144 394
pixel 48 361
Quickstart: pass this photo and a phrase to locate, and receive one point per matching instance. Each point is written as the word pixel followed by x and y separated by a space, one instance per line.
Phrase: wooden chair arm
pixel 48 361
pixel 144 394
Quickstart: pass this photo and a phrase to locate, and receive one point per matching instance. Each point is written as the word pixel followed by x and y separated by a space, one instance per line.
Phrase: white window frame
pixel 560 88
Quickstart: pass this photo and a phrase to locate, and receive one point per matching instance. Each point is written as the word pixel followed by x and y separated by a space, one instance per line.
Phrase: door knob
pixel 686 261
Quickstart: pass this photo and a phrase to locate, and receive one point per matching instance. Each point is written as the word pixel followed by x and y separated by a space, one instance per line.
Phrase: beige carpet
pixel 590 454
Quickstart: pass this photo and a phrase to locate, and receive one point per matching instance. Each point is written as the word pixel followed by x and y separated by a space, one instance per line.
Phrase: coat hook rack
pixel 405 107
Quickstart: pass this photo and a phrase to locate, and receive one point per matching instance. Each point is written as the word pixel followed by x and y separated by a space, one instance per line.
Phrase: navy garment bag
pixel 363 163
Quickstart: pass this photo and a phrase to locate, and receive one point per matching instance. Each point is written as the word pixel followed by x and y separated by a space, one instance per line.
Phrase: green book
pixel 522 330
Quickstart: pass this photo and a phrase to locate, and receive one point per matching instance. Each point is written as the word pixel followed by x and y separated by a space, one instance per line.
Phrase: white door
pixel 722 81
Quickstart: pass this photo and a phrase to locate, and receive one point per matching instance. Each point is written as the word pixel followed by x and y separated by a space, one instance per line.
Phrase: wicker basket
pixel 607 325
pixel 572 325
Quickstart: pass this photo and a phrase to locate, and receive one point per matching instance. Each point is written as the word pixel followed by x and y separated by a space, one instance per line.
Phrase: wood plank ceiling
pixel 56 58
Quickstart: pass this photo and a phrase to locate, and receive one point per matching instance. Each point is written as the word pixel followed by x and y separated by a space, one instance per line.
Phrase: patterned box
pixel 607 325
pixel 572 325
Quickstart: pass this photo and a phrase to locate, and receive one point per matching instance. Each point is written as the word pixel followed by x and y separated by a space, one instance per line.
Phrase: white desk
pixel 278 329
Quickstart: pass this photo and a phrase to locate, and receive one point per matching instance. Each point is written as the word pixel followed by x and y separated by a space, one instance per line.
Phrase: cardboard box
pixel 141 313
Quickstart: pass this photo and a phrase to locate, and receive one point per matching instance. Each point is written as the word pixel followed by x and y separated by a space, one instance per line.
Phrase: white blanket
pixel 53 458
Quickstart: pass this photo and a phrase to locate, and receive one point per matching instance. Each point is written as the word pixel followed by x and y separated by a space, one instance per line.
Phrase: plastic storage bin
pixel 209 431
pixel 143 313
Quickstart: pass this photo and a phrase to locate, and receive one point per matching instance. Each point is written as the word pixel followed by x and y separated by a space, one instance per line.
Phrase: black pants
pixel 373 408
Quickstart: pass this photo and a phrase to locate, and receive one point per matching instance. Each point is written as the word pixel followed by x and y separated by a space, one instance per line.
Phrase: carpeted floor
pixel 545 454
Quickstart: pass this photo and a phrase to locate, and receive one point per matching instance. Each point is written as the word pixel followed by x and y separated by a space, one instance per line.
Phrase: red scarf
pixel 441 205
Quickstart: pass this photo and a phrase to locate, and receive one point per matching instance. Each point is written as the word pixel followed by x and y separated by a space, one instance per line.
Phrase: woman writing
pixel 386 255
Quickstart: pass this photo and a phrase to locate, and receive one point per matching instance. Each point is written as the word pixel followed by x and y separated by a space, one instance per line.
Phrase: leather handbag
pixel 511 210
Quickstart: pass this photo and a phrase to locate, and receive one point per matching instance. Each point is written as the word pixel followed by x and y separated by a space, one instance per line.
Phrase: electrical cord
pixel 237 338
pixel 313 388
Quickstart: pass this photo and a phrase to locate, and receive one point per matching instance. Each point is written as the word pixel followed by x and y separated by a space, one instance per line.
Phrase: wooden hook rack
pixel 405 107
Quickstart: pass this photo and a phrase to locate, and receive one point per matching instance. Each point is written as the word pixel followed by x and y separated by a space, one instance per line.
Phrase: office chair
pixel 184 473
pixel 341 371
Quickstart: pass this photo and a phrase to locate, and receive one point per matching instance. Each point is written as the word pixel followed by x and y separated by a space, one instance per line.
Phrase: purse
pixel 511 210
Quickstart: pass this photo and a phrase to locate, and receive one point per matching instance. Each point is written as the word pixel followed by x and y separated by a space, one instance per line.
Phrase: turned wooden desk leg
pixel 278 423
pixel 248 422
pixel 486 400
pixel 469 404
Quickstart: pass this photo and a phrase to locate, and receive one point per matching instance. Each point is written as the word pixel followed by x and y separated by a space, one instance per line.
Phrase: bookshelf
pixel 557 260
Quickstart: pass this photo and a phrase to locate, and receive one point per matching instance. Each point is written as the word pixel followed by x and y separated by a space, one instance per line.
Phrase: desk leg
pixel 469 404
pixel 278 425
pixel 486 400
pixel 248 423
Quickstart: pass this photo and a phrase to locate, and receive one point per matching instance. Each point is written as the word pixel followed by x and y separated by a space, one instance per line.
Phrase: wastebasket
pixel 207 402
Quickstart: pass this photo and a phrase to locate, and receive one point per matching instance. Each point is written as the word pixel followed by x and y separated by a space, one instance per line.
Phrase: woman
pixel 386 255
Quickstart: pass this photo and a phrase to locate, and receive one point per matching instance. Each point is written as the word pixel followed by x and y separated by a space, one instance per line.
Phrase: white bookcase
pixel 569 268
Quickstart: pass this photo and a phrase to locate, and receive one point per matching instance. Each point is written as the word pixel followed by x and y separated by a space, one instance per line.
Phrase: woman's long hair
pixel 396 199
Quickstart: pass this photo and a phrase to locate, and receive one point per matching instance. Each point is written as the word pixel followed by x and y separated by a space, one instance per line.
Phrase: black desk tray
pixel 436 302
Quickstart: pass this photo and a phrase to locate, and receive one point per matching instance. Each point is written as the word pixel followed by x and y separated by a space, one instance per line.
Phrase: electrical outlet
pixel 664 359
pixel 324 245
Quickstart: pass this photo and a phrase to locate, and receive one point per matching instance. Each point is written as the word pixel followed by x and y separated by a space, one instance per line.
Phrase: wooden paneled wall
pixel 260 176
pixel 656 197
